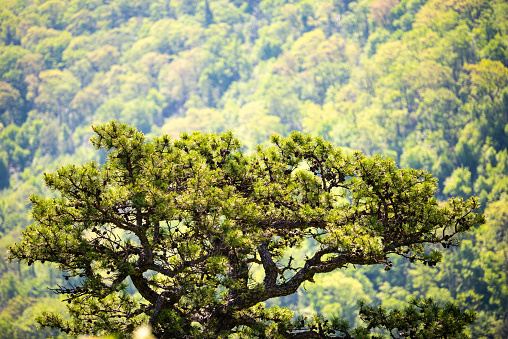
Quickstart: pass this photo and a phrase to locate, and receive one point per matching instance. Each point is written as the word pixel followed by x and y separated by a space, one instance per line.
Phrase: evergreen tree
pixel 188 221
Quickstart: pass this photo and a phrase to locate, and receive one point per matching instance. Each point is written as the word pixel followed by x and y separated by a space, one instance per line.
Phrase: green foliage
pixel 329 298
pixel 421 319
pixel 185 220
pixel 421 81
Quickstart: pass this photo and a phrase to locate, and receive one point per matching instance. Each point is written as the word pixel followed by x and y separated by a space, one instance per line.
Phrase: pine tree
pixel 188 221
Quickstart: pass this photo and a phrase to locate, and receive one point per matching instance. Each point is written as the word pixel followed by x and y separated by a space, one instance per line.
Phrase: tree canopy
pixel 188 221
pixel 420 81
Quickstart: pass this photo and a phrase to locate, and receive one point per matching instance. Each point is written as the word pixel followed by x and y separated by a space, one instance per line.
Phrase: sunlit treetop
pixel 188 220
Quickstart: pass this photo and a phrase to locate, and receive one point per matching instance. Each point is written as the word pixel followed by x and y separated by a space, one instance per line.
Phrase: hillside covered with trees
pixel 421 81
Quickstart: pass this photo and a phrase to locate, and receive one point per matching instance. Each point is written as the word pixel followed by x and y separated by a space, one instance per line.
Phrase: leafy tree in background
pixel 188 221
pixel 422 81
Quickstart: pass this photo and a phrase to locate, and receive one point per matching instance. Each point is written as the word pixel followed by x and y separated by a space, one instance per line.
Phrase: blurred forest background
pixel 422 81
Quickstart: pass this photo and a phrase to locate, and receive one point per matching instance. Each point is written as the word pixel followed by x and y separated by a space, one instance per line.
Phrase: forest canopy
pixel 421 81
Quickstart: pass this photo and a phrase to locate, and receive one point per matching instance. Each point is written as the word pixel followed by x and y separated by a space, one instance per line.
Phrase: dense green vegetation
pixel 424 82
pixel 189 222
